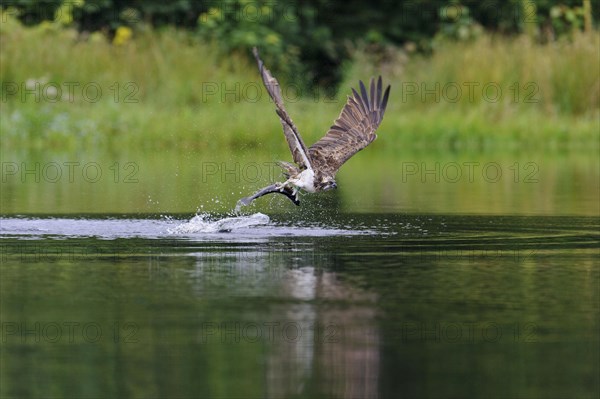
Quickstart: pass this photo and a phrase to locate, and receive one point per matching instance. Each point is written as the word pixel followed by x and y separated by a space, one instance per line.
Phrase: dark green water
pixel 358 305
pixel 425 275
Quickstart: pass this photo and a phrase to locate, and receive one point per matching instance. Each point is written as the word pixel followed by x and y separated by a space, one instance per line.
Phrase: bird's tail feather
pixel 289 169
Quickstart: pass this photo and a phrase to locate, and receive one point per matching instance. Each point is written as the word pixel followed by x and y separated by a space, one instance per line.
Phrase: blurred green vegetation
pixel 311 40
pixel 130 84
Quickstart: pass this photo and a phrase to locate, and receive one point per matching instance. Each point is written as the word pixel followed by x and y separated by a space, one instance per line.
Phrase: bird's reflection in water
pixel 337 353
pixel 318 333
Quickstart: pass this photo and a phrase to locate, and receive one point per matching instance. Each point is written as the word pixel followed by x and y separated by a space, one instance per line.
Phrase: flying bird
pixel 316 166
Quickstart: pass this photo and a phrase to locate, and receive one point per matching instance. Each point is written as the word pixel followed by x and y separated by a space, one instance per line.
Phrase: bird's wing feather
pixel 353 130
pixel 297 147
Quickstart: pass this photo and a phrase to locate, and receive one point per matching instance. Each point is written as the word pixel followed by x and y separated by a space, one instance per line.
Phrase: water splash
pixel 203 223
pixel 203 226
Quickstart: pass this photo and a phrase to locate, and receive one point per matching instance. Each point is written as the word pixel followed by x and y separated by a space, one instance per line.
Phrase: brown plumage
pixel 353 130
pixel 290 131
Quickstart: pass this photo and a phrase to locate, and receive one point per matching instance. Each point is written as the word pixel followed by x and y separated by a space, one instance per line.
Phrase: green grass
pixel 167 75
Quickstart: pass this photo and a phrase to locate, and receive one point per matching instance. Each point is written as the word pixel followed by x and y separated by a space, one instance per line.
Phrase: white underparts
pixel 305 180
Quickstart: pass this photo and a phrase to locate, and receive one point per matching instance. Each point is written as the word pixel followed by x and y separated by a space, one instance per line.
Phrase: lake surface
pixel 377 180
pixel 368 306
pixel 392 286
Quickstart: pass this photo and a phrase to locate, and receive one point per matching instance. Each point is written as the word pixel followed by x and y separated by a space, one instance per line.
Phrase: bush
pixel 310 40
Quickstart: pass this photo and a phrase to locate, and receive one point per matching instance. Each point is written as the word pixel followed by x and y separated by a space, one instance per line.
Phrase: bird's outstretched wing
pixel 352 131
pixel 297 147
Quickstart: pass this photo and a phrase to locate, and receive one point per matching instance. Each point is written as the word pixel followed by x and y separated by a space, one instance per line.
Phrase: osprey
pixel 316 166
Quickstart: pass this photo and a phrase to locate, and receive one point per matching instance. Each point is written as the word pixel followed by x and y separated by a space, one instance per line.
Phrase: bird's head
pixel 328 184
